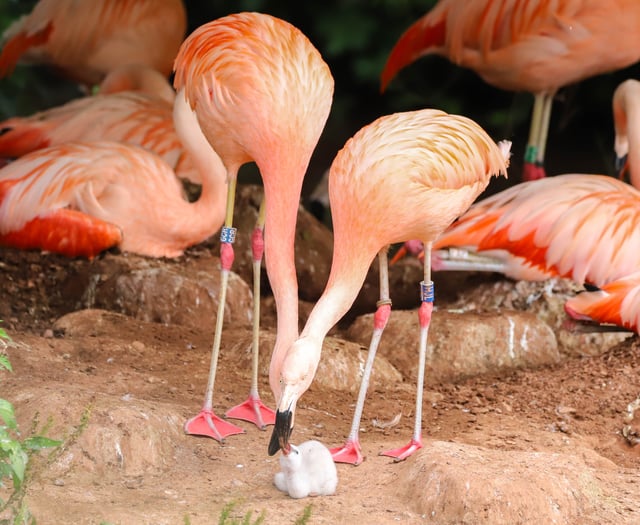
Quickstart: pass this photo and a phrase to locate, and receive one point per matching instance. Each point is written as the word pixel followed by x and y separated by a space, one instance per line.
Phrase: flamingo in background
pixel 626 121
pixel 526 45
pixel 136 118
pixel 79 198
pixel 261 93
pixel 617 303
pixel 424 168
pixel 86 39
pixel 582 227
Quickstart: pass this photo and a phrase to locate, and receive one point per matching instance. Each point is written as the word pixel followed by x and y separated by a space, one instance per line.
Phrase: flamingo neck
pixel 210 207
pixel 348 273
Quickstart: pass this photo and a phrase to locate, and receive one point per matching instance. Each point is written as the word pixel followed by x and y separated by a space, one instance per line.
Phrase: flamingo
pixel 580 226
pixel 626 121
pixel 422 169
pixel 617 303
pixel 261 93
pixel 85 39
pixel 79 198
pixel 526 45
pixel 136 118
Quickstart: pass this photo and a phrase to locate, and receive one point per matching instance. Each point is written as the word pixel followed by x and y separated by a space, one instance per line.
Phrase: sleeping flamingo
pixel 261 93
pixel 135 118
pixel 616 303
pixel 582 227
pixel 86 39
pixel 526 45
pixel 79 198
pixel 420 170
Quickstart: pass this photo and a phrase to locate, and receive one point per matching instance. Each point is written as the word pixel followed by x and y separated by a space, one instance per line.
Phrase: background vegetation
pixel 355 37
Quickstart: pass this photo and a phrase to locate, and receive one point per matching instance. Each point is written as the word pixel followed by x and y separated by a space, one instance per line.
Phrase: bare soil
pixel 138 381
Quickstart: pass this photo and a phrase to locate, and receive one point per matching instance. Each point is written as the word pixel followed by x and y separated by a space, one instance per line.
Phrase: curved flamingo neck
pixel 210 207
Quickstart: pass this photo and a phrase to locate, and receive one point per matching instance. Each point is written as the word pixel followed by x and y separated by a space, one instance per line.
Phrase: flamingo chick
pixel 308 470
pixel 80 198
pixel 86 39
pixel 526 45
pixel 261 93
pixel 405 176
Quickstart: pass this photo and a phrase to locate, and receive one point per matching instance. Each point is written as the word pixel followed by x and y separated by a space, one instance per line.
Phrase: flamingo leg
pixel 545 119
pixel 424 314
pixel 351 452
pixel 206 423
pixel 533 168
pixel 253 410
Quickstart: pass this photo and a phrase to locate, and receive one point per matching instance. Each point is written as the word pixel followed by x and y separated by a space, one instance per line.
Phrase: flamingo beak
pixel 622 166
pixel 281 432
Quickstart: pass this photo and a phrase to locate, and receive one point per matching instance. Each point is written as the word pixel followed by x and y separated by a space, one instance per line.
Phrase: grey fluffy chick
pixel 308 470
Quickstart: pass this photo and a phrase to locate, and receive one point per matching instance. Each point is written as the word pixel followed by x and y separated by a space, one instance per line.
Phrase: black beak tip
pixel 281 432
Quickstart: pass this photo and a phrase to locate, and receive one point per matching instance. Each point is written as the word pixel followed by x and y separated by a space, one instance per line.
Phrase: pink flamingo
pixel 583 227
pixel 526 45
pixel 626 121
pixel 136 118
pixel 86 39
pixel 617 303
pixel 422 169
pixel 262 93
pixel 79 198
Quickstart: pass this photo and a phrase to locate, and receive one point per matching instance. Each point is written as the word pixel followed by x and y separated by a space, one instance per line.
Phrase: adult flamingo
pixel 424 168
pixel 617 303
pixel 626 121
pixel 85 39
pixel 136 118
pixel 79 198
pixel 526 45
pixel 262 93
pixel 583 227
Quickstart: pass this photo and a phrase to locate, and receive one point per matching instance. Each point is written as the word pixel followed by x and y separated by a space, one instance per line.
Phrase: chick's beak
pixel 281 433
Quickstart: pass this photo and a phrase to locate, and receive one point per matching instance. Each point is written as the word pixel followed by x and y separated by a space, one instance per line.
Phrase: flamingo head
pixel 297 372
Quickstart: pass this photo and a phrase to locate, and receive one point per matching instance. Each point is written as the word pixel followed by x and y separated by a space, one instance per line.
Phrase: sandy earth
pixel 525 446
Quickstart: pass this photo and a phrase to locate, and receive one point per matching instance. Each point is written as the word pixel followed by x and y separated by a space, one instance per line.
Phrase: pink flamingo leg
pixel 206 423
pixel 424 315
pixel 350 452
pixel 253 409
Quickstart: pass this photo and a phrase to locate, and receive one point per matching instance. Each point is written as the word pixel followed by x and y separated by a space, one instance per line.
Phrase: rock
pixel 546 300
pixel 462 344
pixel 307 470
pixel 452 483
pixel 172 292
pixel 340 366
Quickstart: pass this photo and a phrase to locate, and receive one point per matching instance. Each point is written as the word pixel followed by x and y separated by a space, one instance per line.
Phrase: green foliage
pixel 227 519
pixel 15 453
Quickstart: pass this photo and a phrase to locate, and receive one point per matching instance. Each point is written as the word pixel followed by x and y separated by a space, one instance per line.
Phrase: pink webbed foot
pixel 254 411
pixel 402 453
pixel 206 423
pixel 349 453
pixel 532 171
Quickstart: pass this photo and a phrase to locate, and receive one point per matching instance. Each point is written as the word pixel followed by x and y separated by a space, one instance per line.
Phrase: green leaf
pixel 4 363
pixel 40 442
pixel 7 414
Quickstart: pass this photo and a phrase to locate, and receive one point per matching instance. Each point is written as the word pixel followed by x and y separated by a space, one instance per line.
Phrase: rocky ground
pixel 524 421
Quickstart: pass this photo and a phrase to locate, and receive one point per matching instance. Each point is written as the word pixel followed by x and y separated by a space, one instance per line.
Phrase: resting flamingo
pixel 86 39
pixel 79 198
pixel 262 93
pixel 135 118
pixel 526 45
pixel 405 176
